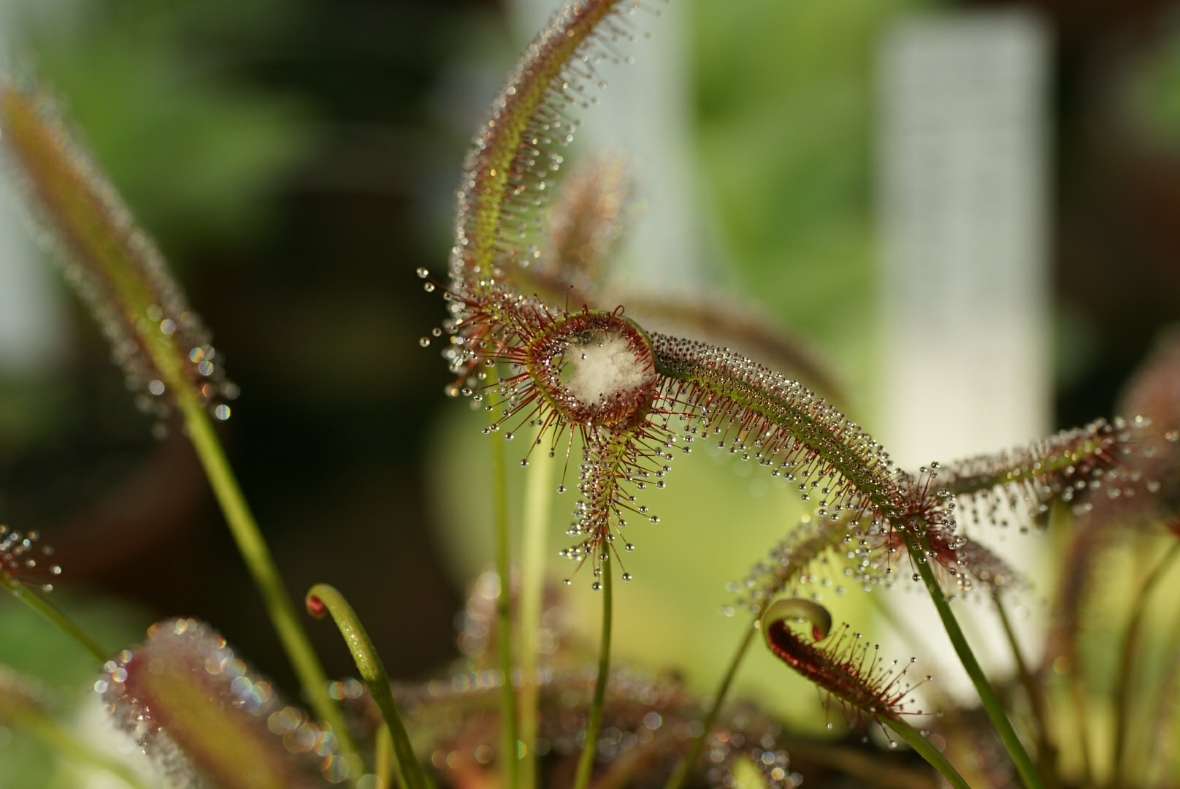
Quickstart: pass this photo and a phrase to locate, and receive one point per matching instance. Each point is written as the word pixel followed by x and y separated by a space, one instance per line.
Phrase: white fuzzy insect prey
pixel 604 367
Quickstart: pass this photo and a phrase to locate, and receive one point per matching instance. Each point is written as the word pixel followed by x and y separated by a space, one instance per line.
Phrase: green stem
pixel 586 762
pixel 987 695
pixel 698 744
pixel 1062 527
pixel 323 598
pixel 1036 701
pixel 385 762
pixel 1077 698
pixel 508 729
pixel 537 496
pixel 927 751
pixel 259 562
pixel 1130 648
pixel 54 615
pixel 1162 724
pixel 53 735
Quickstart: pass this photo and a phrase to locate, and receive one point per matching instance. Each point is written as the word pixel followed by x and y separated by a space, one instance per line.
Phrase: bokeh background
pixel 297 160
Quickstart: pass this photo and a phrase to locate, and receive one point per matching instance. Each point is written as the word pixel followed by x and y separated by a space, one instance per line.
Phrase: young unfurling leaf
pixel 869 687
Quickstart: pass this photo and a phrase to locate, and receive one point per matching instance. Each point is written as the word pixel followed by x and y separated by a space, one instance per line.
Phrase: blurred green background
pixel 296 160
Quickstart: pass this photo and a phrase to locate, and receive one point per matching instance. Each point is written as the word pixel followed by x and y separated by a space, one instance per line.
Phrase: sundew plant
pixel 595 406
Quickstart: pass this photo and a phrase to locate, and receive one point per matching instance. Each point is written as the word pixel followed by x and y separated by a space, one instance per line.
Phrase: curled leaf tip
pixel 793 608
pixel 316 606
pixel 372 671
pixel 850 670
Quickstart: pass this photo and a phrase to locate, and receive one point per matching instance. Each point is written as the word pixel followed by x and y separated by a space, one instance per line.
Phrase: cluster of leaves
pixel 536 341
pixel 525 302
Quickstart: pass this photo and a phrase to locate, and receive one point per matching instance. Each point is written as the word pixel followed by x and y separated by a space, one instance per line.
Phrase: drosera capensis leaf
pixel 1023 483
pixel 779 423
pixel 851 670
pixel 725 323
pixel 519 148
pixel 155 336
pixel 868 687
pixel 201 713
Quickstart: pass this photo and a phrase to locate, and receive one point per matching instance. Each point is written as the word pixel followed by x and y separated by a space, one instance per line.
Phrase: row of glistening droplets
pixel 26 560
pixel 187 646
pixel 173 320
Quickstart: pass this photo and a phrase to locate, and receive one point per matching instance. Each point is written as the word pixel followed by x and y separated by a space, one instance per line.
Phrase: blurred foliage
pixel 785 97
pixel 1154 102
pixel 196 151
pixel 177 133
pixel 747 776
pixel 32 648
